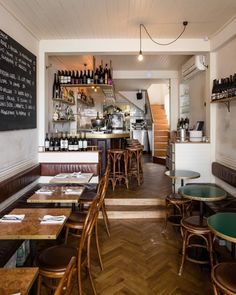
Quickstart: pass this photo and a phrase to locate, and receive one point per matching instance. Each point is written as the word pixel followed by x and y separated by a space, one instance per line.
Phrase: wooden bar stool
pixel 194 226
pixel 223 278
pixel 176 209
pixel 117 160
pixel 135 163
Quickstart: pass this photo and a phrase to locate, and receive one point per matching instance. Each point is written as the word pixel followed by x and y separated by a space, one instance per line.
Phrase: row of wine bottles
pixel 65 142
pixel 224 88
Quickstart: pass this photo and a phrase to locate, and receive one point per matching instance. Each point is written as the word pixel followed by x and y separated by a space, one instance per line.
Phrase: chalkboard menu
pixel 17 85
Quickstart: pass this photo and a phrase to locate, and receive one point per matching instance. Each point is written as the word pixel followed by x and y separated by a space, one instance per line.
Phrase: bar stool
pixel 176 209
pixel 135 163
pixel 223 278
pixel 117 160
pixel 195 226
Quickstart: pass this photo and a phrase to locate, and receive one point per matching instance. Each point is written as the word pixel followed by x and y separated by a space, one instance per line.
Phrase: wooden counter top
pixel 107 135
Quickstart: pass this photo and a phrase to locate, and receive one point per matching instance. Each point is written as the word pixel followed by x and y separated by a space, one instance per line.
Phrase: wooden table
pixel 68 178
pixel 181 174
pixel 30 228
pixel 202 193
pixel 58 195
pixel 17 280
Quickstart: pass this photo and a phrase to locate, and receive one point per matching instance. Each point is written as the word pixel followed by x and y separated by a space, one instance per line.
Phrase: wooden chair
pixel 117 160
pixel 65 286
pixel 176 209
pixel 53 261
pixel 75 222
pixel 135 163
pixel 193 226
pixel 90 196
pixel 224 279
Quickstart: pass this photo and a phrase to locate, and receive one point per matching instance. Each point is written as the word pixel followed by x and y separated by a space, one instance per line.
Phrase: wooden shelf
pixel 226 101
pixel 63 121
pixel 63 101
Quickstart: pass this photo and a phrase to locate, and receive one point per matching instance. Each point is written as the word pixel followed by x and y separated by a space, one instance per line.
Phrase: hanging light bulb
pixel 140 56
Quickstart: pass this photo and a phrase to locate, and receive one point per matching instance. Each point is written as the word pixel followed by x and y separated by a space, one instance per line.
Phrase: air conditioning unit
pixel 193 66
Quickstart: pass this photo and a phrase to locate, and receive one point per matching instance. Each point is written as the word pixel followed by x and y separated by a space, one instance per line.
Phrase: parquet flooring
pixel 139 260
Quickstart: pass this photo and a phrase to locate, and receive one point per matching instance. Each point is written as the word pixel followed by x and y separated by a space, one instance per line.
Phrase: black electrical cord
pixel 185 23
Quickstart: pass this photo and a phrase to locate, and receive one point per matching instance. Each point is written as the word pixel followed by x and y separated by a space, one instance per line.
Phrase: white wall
pixel 223 64
pixel 131 96
pixel 18 149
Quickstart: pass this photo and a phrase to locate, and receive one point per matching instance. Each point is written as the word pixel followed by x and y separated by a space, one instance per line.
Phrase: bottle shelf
pixel 62 121
pixel 89 104
pixel 226 101
pixel 87 85
pixel 63 101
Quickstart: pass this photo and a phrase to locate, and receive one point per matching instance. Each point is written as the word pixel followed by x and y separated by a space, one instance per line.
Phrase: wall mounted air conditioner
pixel 193 66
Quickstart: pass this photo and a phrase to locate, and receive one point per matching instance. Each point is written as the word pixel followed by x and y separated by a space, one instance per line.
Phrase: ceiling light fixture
pixel 140 56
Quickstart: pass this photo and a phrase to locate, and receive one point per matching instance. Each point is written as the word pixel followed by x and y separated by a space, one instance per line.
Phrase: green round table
pixel 202 193
pixel 181 174
pixel 223 225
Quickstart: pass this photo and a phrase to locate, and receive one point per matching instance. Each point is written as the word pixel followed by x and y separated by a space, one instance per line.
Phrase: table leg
pixel 182 182
pixel 201 212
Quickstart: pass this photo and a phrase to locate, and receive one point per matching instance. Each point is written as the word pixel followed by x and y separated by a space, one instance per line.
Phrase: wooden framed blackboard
pixel 17 85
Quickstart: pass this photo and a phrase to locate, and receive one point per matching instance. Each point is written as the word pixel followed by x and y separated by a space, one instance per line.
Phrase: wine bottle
pixel 66 142
pixel 70 144
pixel 56 143
pixel 46 143
pixel 80 142
pixel 110 82
pixel 62 142
pixel 96 76
pixel 85 142
pixel 81 77
pixel 76 144
pixel 92 78
pixel 73 77
pixel 88 78
pixel 106 75
pixel 77 77
pixel 51 143
pixel 101 76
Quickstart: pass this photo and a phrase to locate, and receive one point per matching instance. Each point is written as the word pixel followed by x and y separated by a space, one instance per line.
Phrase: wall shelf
pixel 63 101
pixel 62 121
pixel 226 101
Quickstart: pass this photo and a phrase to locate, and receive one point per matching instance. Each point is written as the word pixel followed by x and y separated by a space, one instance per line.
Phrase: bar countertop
pixel 121 134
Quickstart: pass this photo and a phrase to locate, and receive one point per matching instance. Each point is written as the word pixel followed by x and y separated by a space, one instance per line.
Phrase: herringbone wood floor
pixel 139 260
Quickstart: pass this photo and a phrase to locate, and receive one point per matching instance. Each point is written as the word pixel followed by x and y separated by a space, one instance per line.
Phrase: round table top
pixel 183 174
pixel 223 225
pixel 201 192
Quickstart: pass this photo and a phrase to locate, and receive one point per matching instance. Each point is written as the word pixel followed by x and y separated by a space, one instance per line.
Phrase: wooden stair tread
pixel 134 208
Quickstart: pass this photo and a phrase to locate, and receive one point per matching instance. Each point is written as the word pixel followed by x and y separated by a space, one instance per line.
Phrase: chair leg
pixel 39 284
pixel 97 245
pixel 105 218
pixel 66 235
pixel 183 251
pixel 89 265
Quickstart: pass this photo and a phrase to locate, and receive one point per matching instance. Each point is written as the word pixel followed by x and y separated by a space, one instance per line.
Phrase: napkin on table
pixel 53 219
pixel 44 191
pixel 12 218
pixel 71 191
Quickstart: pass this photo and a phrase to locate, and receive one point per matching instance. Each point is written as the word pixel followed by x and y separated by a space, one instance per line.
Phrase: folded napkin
pixel 77 174
pixel 12 218
pixel 44 191
pixel 53 219
pixel 71 191
pixel 61 175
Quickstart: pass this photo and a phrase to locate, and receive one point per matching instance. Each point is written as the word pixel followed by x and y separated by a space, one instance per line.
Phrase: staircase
pixel 160 133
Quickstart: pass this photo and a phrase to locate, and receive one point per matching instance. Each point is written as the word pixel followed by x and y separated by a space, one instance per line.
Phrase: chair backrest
pixel 65 285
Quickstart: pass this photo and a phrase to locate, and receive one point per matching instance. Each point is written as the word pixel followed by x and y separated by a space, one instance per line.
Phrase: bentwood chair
pixel 65 286
pixel 53 261
pixel 224 279
pixel 87 198
pixel 76 220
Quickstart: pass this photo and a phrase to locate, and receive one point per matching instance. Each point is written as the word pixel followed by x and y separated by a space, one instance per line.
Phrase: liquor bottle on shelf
pixel 88 78
pixel 46 143
pixel 110 82
pixel 76 144
pixel 66 142
pixel 81 77
pixel 92 78
pixel 77 77
pixel 101 75
pixel 85 142
pixel 106 75
pixel 62 142
pixel 51 143
pixel 84 75
pixel 70 143
pixel 96 76
pixel 80 142
pixel 56 87
pixel 56 143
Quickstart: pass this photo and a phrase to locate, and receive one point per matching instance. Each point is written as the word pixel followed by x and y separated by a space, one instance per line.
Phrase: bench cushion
pixel 224 173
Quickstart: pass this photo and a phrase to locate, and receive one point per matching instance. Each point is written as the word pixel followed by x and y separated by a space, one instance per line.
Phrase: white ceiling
pixel 66 19
pixel 63 19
